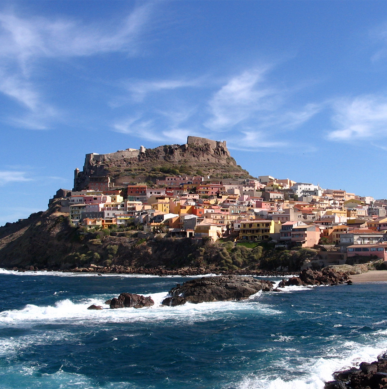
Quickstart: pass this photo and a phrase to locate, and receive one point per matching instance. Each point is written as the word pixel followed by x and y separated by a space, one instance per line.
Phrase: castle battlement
pixel 195 140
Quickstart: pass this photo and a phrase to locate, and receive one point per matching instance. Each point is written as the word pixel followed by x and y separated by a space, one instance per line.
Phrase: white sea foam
pixel 12 345
pixel 317 371
pixel 21 376
pixel 76 274
pixel 293 288
pixel 65 311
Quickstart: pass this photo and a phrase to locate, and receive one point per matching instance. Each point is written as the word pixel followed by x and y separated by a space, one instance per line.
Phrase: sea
pixel 293 339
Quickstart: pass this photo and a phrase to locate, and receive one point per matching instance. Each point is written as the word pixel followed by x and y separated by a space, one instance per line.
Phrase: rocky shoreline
pixel 367 376
pixel 184 272
pixel 326 276
pixel 226 288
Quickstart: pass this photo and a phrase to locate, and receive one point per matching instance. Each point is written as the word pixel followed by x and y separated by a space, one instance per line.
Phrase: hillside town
pixel 286 213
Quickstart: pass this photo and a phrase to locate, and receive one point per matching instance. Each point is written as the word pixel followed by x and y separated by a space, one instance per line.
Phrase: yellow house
pixel 176 207
pixel 337 212
pixel 161 206
pixel 352 213
pixel 258 229
pixel 116 198
pixel 378 224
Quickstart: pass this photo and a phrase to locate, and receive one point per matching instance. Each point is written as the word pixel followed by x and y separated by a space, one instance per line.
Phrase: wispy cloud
pixel 360 118
pixel 139 128
pixel 378 36
pixel 139 89
pixel 147 129
pixel 8 176
pixel 240 98
pixel 254 140
pixel 25 41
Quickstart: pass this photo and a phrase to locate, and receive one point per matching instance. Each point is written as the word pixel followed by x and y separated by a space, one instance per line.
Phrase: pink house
pixel 263 205
pixel 210 189
pixel 366 250
pixel 97 199
pixel 180 180
pixel 305 236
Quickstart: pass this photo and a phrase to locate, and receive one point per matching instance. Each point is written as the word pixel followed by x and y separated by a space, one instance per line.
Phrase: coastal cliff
pixel 47 240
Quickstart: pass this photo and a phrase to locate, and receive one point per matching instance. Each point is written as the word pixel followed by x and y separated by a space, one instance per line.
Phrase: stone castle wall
pixel 195 140
pixel 95 158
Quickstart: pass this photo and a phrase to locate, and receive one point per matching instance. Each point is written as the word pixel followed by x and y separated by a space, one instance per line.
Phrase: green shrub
pixel 112 249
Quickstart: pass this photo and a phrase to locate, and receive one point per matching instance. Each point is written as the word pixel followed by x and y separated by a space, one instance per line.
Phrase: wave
pixel 293 288
pixel 68 311
pixel 315 372
pixel 76 274
pixel 21 376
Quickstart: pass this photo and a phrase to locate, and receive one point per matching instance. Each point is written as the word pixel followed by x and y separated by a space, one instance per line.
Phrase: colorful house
pixel 305 236
pixel 368 250
pixel 258 229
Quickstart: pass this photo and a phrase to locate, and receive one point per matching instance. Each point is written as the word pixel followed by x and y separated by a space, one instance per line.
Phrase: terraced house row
pixel 281 211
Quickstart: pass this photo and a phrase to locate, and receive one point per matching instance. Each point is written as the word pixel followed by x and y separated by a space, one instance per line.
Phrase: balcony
pixel 299 238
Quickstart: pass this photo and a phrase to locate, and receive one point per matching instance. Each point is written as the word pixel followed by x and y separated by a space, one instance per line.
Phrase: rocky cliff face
pixel 199 156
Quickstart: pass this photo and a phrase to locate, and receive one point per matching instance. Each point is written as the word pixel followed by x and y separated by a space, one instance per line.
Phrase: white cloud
pixel 363 117
pixel 139 89
pixel 139 128
pixel 7 177
pixel 20 90
pixel 147 129
pixel 24 41
pixel 379 35
pixel 38 113
pixel 28 38
pixel 253 140
pixel 178 136
pixel 254 113
pixel 239 99
pixel 296 118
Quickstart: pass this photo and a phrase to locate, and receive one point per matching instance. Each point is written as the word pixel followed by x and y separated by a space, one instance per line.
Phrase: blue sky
pixel 296 88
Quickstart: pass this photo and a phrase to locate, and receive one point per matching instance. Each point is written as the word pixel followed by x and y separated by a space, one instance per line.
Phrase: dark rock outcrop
pixel 369 376
pixel 95 307
pixel 326 276
pixel 223 288
pixel 129 300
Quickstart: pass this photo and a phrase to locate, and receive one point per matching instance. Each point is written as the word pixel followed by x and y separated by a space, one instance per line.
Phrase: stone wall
pixel 195 140
pixel 118 155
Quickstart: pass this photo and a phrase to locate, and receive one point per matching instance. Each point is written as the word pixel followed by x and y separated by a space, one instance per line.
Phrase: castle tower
pixel 76 173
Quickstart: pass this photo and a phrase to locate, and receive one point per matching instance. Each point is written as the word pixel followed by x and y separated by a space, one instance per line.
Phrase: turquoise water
pixel 295 339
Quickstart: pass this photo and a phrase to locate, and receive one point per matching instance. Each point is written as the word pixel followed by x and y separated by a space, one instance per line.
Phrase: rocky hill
pixel 47 240
pixel 199 156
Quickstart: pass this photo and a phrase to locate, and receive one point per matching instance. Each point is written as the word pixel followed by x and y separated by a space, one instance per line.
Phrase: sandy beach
pixel 370 276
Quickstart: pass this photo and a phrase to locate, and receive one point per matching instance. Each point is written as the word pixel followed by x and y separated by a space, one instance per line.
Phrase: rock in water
pixel 369 376
pixel 96 307
pixel 326 276
pixel 129 300
pixel 173 301
pixel 223 288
